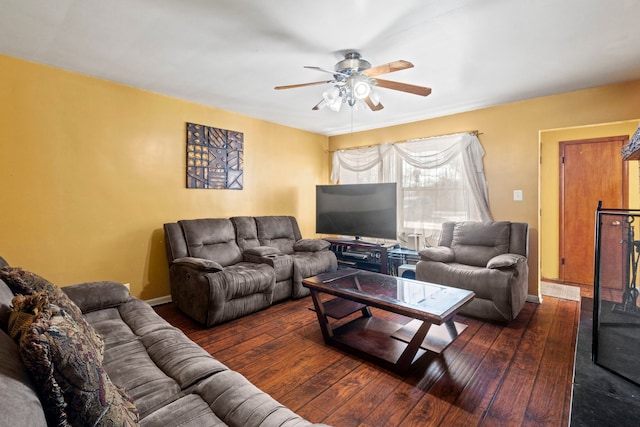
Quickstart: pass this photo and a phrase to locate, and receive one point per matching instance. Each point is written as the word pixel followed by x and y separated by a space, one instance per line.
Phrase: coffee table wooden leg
pixel 323 320
pixel 406 359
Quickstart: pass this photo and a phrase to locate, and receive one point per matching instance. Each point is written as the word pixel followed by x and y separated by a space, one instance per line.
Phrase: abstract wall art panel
pixel 214 157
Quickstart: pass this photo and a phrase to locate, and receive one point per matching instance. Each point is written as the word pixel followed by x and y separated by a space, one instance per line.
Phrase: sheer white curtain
pixel 440 179
pixel 363 165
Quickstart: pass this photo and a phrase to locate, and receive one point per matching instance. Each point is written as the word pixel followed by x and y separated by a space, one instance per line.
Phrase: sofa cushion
pixel 475 243
pixel 212 238
pixel 16 388
pixel 92 296
pixel 276 231
pixel 245 278
pixel 188 411
pixel 237 402
pixel 246 232
pixel 6 295
pixel 68 371
pixel 27 283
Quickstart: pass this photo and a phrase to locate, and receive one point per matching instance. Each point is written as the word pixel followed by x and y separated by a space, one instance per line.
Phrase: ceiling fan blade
pixel 404 87
pixel 302 85
pixel 388 68
pixel 325 71
pixel 374 107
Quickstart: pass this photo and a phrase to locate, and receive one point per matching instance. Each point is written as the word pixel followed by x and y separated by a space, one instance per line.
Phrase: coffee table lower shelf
pixel 384 342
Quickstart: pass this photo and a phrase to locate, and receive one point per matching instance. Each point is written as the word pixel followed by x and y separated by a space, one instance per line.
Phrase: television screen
pixel 359 210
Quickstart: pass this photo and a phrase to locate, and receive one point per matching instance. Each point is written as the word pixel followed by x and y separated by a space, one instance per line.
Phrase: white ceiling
pixel 230 54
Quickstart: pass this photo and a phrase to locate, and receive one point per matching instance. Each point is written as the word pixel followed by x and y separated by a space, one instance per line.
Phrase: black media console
pixel 361 255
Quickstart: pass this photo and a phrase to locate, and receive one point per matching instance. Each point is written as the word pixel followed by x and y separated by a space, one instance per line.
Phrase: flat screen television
pixel 359 210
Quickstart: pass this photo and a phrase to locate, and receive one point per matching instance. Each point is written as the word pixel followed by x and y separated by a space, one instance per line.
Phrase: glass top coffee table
pixel 392 345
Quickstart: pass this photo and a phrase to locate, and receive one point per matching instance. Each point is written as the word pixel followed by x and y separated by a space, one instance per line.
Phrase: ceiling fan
pixel 353 82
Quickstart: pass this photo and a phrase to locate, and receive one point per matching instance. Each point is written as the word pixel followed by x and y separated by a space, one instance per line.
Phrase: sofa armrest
pixel 437 253
pixel 92 296
pixel 205 265
pixel 505 261
pixel 262 251
pixel 311 245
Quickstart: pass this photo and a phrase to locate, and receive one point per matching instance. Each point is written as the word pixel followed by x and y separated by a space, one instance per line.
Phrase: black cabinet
pixel 361 255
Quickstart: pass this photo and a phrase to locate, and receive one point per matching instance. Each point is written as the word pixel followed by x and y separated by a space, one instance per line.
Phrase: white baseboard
pixel 159 301
pixel 534 298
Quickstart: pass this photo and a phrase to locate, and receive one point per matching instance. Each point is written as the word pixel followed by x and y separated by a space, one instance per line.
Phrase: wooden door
pixel 591 170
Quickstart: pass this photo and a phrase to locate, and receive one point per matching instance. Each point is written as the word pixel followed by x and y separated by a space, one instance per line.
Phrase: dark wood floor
pixel 518 375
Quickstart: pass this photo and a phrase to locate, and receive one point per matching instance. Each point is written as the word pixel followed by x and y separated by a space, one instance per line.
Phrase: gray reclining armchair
pixel 489 259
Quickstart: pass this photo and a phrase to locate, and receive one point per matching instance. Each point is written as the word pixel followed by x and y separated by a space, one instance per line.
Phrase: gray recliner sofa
pixel 171 380
pixel 489 259
pixel 224 268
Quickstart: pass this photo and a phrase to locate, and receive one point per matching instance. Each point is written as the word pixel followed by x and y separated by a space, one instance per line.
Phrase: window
pixel 440 179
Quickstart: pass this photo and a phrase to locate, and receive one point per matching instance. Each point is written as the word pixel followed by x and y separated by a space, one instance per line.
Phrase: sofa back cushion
pixel 246 232
pixel 17 390
pixel 6 295
pixel 174 243
pixel 212 238
pixel 475 243
pixel 280 232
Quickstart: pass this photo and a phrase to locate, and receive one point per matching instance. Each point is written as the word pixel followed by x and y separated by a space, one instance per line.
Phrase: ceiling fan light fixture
pixel 359 86
pixel 374 97
pixel 361 90
pixel 333 98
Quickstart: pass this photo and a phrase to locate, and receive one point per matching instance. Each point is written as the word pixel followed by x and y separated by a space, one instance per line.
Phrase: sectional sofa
pixel 224 268
pixel 110 360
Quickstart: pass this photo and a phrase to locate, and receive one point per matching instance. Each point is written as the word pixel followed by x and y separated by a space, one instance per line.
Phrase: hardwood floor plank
pixel 324 378
pixel 340 393
pixel 364 401
pixel 488 376
pixel 408 393
pixel 510 400
pixel 477 396
pixel 547 401
pixel 435 405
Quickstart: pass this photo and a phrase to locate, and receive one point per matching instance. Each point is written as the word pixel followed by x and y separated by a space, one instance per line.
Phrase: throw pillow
pixel 27 283
pixel 68 371
pixel 24 312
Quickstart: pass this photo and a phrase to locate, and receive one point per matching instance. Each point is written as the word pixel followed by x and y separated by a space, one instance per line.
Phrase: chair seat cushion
pixel 486 283
pixel 247 278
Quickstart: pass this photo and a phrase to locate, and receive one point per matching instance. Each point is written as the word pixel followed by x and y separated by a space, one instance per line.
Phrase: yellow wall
pixel 510 137
pixel 550 185
pixel 90 170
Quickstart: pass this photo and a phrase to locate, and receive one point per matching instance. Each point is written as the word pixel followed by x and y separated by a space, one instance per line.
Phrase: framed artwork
pixel 214 157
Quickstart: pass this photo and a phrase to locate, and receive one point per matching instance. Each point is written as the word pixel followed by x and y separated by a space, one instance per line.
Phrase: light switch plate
pixel 517 195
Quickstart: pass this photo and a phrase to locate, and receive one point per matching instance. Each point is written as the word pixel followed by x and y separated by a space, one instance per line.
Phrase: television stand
pixel 361 255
